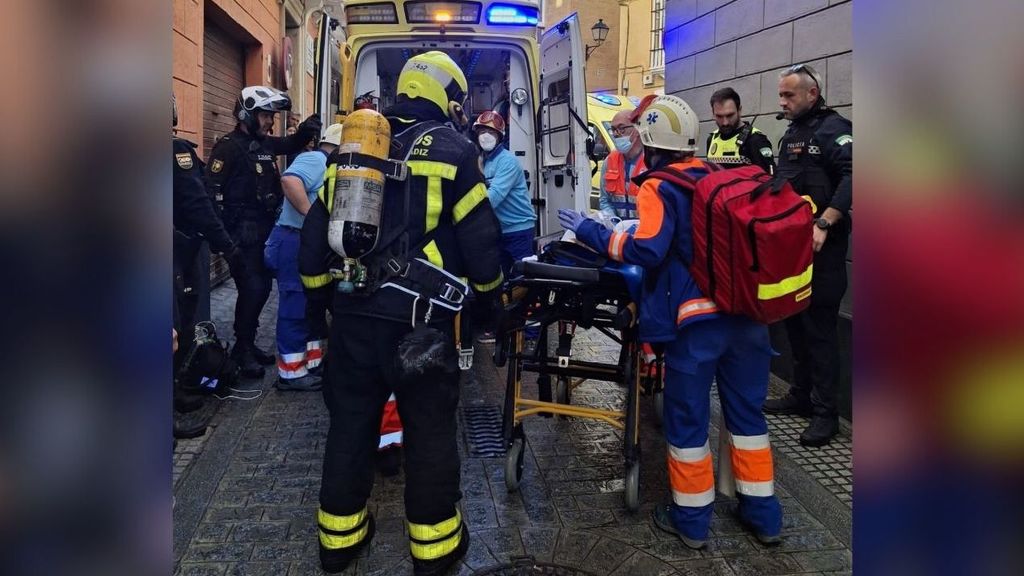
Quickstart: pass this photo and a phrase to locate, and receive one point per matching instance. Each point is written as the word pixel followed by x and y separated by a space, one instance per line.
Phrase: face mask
pixel 487 141
pixel 623 144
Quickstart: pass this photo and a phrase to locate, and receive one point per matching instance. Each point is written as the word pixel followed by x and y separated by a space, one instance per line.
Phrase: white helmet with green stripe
pixel 669 124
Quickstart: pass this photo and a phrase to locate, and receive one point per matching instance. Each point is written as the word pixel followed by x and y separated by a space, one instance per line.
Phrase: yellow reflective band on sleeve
pixel 814 207
pixel 468 202
pixel 429 168
pixel 318 281
pixel 433 254
pixel 490 285
pixel 434 202
pixel 334 542
pixel 791 284
pixel 432 532
pixel 340 523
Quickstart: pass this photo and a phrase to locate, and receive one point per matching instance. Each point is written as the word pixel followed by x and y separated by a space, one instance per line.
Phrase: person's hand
pixel 235 262
pixel 570 219
pixel 819 238
pixel 310 127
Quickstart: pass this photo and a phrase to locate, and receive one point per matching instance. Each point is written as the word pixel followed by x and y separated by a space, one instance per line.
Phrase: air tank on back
pixel 354 226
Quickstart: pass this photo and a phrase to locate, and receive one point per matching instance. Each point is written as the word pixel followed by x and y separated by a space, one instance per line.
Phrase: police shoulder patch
pixel 766 152
pixel 184 160
pixel 216 166
pixel 714 148
pixel 844 140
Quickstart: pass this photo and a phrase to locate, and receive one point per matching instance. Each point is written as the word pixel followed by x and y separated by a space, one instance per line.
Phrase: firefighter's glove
pixel 310 128
pixel 235 262
pixel 570 219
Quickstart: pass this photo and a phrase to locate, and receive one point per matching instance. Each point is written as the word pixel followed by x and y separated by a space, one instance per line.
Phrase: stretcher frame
pixel 567 303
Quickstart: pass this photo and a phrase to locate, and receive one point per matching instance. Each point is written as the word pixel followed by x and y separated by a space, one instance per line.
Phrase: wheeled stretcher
pixel 568 287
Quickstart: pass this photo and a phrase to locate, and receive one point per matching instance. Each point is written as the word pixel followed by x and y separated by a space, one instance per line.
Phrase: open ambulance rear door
pixel 562 125
pixel 322 104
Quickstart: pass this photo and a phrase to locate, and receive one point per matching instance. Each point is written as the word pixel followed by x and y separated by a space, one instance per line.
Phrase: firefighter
pixel 701 343
pixel 735 142
pixel 816 157
pixel 396 334
pixel 195 220
pixel 243 177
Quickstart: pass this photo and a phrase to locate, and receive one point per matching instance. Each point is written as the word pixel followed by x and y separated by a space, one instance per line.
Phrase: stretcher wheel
pixel 659 408
pixel 562 391
pixel 514 465
pixel 633 487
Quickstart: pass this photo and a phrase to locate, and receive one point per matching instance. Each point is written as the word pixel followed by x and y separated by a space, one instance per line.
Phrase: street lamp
pixel 600 33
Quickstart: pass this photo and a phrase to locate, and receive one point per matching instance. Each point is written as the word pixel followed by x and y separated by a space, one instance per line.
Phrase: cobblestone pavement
pixel 246 494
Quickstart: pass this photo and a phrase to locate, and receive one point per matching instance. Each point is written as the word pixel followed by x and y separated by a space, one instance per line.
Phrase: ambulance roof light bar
pixel 510 15
pixel 430 12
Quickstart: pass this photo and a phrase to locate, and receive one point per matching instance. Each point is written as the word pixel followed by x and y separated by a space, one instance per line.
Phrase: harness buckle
pixel 465 358
pixel 396 268
pixel 452 294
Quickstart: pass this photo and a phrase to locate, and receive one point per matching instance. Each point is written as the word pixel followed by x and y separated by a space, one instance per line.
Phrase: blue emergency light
pixel 506 14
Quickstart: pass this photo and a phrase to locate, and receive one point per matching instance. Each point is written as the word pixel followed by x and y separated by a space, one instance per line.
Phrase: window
pixel 657 33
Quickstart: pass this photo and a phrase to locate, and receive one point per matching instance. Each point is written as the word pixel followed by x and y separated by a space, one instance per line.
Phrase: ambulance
pixel 532 74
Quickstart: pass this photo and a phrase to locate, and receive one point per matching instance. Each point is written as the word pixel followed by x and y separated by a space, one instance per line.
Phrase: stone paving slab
pixel 247 493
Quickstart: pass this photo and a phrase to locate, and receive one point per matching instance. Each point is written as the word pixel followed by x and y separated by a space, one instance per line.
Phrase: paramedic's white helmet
pixel 332 135
pixel 669 124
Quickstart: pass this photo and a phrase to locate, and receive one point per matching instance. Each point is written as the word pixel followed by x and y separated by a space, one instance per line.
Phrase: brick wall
pixel 256 23
pixel 710 44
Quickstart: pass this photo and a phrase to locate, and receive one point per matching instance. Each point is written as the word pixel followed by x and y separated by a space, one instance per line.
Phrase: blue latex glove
pixel 570 219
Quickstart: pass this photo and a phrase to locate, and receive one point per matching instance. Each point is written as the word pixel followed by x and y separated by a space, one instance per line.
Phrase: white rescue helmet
pixel 669 124
pixel 259 98
pixel 332 135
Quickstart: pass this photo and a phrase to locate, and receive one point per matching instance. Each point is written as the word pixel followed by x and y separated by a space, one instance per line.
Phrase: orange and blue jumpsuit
pixel 702 345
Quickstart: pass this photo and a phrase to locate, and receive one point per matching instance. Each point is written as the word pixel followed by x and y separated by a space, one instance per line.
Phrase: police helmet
pixel 259 98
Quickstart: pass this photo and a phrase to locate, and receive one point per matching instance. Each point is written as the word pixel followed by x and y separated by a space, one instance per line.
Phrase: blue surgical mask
pixel 623 144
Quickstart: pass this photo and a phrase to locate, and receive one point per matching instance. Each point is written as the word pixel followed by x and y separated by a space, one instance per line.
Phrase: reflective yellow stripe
pixel 429 532
pixel 814 207
pixel 436 550
pixel 490 285
pixel 318 281
pixel 340 523
pixel 434 202
pixel 334 542
pixel 468 202
pixel 326 192
pixel 791 284
pixel 428 168
pixel 433 254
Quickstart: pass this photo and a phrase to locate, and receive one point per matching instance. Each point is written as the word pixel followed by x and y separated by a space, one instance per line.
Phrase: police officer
pixel 244 178
pixel 437 227
pixel 702 344
pixel 735 142
pixel 195 220
pixel 816 156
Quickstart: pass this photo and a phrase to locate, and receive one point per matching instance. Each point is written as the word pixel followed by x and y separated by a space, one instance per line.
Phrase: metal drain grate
pixel 483 431
pixel 527 566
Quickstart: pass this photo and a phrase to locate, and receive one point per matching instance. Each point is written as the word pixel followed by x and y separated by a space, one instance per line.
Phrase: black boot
pixel 334 561
pixel 244 356
pixel 820 431
pixel 445 563
pixel 264 358
pixel 193 424
pixel 788 404
pixel 307 383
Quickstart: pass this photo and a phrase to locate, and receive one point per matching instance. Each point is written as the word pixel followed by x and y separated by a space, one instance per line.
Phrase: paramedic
pixel 701 344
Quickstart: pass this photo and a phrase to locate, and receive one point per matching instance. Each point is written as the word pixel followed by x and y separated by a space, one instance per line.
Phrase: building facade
pixel 641 47
pixel 745 44
pixel 602 66
pixel 221 46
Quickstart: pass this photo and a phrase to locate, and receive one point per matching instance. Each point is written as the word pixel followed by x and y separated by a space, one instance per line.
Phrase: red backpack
pixel 752 236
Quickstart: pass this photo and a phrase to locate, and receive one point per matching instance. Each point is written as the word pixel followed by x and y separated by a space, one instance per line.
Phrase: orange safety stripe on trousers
pixel 691 477
pixel 752 465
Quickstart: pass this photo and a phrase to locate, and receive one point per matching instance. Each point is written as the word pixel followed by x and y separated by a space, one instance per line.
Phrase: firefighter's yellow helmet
pixel 434 76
